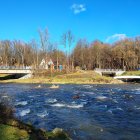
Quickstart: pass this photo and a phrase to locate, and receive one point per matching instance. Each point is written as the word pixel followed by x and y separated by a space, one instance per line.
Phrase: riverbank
pixel 26 132
pixel 13 129
pixel 80 77
pixel 131 73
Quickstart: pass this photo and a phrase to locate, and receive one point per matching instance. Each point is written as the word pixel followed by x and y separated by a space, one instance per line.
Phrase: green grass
pixel 8 132
pixel 12 133
pixel 136 73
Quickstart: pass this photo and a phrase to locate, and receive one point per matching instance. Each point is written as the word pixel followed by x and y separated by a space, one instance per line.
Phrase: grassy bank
pixel 12 133
pixel 8 132
pixel 134 73
pixel 81 77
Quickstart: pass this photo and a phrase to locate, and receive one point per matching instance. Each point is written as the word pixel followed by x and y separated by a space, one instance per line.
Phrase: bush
pixel 6 113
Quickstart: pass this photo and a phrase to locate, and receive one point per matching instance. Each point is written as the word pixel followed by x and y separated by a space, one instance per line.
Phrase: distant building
pixel 46 64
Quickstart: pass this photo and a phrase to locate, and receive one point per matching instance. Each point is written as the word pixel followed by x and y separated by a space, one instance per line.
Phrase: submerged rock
pixel 57 131
pixel 76 97
pixel 39 86
pixel 128 97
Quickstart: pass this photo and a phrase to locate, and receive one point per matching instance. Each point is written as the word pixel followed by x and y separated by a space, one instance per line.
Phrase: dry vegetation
pixel 80 77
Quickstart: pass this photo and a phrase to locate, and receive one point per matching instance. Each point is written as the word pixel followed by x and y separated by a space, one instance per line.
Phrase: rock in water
pixel 60 134
pixel 54 86
pixel 128 97
pixel 76 97
pixel 57 131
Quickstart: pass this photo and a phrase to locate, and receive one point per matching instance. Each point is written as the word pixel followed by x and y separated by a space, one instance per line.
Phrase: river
pixel 85 112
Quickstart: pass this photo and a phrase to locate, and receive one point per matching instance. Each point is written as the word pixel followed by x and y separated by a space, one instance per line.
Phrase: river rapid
pixel 85 112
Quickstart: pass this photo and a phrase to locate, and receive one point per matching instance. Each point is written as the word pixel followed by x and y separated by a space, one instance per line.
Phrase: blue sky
pixel 106 20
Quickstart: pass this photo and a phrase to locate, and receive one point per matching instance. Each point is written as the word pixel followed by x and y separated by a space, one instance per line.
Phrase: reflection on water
pixel 86 112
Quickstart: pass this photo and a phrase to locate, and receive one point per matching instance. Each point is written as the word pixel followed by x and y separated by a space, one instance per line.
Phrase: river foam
pixel 137 92
pixel 23 103
pixel 87 86
pixel 68 106
pixel 101 98
pixel 51 100
pixel 43 114
pixel 24 112
pixel 115 109
pixel 5 96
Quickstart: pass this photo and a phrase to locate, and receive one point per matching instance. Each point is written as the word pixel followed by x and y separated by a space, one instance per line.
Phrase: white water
pixel 43 114
pixel 66 105
pixel 51 101
pixel 102 98
pixel 22 103
pixel 5 96
pixel 24 112
pixel 87 86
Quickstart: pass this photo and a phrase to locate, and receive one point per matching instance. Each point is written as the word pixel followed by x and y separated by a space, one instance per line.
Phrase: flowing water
pixel 85 112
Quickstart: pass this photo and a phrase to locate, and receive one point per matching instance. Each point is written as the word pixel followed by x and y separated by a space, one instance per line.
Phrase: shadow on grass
pixel 12 76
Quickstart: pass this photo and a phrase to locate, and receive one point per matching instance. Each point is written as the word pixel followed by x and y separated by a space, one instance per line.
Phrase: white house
pixel 45 64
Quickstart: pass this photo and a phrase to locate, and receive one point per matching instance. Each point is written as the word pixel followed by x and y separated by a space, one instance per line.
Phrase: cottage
pixel 46 64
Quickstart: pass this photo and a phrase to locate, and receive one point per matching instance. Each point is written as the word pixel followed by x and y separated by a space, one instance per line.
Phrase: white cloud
pixel 116 37
pixel 78 8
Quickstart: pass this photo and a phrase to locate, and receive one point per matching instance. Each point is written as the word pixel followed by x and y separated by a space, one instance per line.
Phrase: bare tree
pixel 35 53
pixel 70 37
pixel 64 43
pixel 67 40
pixel 44 40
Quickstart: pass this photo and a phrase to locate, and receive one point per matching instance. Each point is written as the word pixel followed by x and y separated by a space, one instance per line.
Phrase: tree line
pixel 123 54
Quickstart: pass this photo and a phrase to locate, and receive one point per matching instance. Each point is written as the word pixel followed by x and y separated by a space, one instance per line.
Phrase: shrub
pixel 6 112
